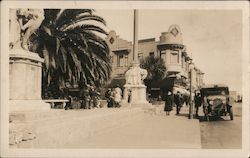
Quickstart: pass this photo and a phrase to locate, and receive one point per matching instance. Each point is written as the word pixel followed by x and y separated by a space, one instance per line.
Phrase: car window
pixel 215 91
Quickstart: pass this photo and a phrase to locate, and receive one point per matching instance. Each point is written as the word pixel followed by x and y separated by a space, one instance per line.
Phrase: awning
pixel 186 92
pixel 167 83
pixel 181 90
pixel 178 76
pixel 177 89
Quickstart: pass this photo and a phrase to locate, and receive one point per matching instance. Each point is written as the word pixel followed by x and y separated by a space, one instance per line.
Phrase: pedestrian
pixel 92 97
pixel 197 102
pixel 94 94
pixel 206 103
pixel 129 96
pixel 109 97
pixel 187 100
pixel 182 99
pixel 177 101
pixel 69 103
pixel 84 95
pixel 168 103
pixel 118 96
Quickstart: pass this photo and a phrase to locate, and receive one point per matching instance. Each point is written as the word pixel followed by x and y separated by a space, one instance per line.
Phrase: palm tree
pixel 71 41
pixel 155 67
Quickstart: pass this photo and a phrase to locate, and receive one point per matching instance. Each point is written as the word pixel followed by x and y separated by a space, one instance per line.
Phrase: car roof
pixel 214 86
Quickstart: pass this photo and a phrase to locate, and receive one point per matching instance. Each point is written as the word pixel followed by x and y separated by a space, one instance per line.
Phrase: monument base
pixel 25 81
pixel 28 105
pixel 25 69
pixel 138 95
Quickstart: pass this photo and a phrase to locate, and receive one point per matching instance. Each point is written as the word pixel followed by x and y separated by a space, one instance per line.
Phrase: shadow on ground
pixel 212 118
pixel 182 115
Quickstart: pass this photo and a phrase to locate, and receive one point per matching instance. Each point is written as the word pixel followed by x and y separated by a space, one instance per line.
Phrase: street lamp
pixel 191 67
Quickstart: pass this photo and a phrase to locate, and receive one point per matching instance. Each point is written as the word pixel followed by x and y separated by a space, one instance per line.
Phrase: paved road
pixel 222 133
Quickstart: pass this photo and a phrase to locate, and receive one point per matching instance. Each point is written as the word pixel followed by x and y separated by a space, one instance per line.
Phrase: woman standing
pixel 118 96
pixel 168 103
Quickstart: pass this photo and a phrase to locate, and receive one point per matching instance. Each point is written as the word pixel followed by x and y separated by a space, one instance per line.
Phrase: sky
pixel 213 37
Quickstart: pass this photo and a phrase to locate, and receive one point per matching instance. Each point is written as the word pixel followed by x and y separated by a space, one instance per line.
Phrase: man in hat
pixel 197 100
pixel 177 101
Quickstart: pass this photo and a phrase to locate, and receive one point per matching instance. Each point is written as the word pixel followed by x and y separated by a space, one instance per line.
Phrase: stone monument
pixel 134 83
pixel 135 75
pixel 25 67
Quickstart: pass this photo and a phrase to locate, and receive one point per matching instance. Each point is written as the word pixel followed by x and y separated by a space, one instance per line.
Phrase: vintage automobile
pixel 216 101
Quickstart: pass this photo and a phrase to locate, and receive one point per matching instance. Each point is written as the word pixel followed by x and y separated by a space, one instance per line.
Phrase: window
pixel 126 60
pixel 140 56
pixel 111 59
pixel 151 53
pixel 174 57
pixel 163 55
pixel 111 40
pixel 120 60
pixel 183 62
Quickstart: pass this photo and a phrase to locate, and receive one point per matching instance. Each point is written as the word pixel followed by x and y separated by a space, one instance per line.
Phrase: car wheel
pixel 231 114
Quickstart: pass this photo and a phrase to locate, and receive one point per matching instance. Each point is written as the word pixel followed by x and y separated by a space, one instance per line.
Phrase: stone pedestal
pixel 25 69
pixel 138 94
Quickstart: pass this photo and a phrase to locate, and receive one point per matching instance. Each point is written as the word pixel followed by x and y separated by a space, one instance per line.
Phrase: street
pixel 222 133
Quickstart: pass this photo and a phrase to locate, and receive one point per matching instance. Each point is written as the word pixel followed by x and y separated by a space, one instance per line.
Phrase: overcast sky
pixel 212 37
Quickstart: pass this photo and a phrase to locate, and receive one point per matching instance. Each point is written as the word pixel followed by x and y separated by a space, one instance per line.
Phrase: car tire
pixel 231 114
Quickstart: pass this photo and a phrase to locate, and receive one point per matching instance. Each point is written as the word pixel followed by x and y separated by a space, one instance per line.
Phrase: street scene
pixel 213 137
pixel 125 79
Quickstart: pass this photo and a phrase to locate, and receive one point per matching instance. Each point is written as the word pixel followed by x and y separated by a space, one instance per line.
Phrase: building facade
pixel 169 47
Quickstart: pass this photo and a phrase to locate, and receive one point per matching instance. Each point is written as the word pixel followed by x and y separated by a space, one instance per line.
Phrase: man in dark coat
pixel 69 103
pixel 109 97
pixel 197 101
pixel 94 97
pixel 85 97
pixel 177 101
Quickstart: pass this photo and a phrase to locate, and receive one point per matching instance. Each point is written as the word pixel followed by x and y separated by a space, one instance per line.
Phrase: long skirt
pixel 168 106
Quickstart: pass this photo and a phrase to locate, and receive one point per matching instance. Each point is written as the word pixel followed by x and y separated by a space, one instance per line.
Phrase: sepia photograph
pixel 119 79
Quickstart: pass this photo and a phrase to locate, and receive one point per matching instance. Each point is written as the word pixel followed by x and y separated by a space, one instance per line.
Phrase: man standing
pixel 109 97
pixel 85 97
pixel 129 96
pixel 197 101
pixel 177 100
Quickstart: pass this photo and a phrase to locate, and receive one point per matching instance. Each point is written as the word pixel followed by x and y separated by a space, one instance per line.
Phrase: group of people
pixel 178 100
pixel 174 99
pixel 89 98
pixel 114 97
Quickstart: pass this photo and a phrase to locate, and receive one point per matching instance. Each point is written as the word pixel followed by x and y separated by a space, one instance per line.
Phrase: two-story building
pixel 170 48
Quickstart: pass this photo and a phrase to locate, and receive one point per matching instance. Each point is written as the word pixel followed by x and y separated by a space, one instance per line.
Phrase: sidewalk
pixel 114 128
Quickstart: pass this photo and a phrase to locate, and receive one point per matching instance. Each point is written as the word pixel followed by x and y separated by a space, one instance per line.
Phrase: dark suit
pixel 177 101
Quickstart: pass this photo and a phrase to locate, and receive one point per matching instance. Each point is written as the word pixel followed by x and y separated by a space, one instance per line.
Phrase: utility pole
pixel 190 89
pixel 135 46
